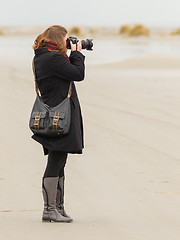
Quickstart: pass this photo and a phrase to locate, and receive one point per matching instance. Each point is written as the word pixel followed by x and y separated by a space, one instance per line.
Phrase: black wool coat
pixel 53 75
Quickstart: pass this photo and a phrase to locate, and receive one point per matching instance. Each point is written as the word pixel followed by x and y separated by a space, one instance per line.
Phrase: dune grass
pixel 176 32
pixel 77 31
pixel 1 31
pixel 94 31
pixel 137 30
pixel 125 29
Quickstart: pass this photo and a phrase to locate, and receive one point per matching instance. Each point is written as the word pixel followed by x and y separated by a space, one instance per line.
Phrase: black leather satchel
pixel 50 121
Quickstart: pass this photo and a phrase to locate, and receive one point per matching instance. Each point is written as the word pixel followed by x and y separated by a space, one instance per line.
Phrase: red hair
pixel 56 34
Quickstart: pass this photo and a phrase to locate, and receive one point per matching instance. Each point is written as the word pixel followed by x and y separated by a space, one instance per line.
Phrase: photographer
pixel 54 71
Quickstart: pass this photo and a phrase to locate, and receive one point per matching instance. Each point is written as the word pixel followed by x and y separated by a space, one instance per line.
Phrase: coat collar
pixel 41 50
pixel 47 47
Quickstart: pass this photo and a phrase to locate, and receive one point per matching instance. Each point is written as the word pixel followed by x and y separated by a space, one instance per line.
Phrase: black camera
pixel 86 44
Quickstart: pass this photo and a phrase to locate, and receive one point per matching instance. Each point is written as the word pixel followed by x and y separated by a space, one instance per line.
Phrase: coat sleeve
pixel 73 71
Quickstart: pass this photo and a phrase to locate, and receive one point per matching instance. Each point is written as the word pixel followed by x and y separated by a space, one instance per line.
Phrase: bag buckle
pixel 55 120
pixel 37 119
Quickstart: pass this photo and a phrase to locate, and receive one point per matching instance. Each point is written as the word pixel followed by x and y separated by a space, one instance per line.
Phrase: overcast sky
pixel 91 12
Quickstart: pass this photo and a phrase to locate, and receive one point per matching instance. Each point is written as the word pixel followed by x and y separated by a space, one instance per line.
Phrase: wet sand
pixel 126 184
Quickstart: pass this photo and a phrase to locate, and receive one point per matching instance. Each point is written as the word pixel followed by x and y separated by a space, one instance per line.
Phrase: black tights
pixel 55 164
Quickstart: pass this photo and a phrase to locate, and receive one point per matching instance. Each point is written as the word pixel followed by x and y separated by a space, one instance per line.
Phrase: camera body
pixel 86 44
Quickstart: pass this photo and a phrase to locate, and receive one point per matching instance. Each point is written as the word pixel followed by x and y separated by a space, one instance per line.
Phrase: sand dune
pixel 126 184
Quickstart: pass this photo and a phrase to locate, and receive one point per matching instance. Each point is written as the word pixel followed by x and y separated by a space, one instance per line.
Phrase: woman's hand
pixel 73 46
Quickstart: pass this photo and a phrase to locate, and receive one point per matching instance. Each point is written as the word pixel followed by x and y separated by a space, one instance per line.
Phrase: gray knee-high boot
pixel 49 190
pixel 60 198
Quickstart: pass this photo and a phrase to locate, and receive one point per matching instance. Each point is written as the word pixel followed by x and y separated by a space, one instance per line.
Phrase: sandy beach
pixel 126 184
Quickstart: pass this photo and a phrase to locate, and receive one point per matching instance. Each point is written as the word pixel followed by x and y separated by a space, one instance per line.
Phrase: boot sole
pixel 50 220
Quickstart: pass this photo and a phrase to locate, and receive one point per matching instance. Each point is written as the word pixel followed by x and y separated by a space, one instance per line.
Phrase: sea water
pixel 104 51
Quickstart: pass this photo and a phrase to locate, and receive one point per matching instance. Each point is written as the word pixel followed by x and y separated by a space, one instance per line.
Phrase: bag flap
pixel 42 114
pixel 61 114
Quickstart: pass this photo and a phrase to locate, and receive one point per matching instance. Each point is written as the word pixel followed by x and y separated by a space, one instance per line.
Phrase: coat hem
pixel 46 149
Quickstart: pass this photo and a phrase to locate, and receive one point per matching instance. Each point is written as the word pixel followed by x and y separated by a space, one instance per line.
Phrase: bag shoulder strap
pixel 70 90
pixel 36 85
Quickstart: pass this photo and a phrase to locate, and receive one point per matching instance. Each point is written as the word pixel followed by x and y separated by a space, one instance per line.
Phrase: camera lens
pixel 86 44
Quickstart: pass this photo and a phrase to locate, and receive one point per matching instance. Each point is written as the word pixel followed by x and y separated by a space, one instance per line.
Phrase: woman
pixel 53 73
